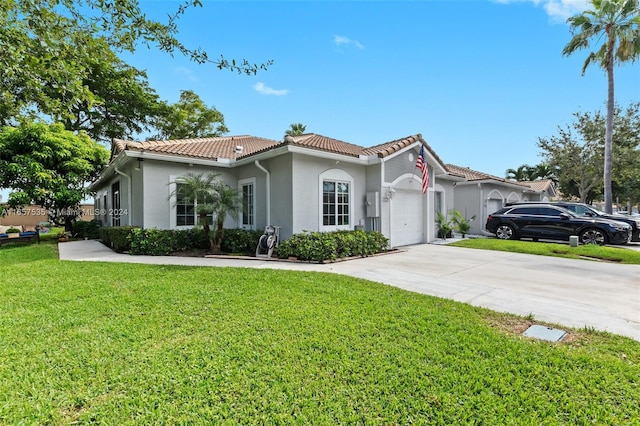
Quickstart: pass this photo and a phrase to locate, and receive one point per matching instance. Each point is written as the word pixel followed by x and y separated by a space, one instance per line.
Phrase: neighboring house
pixel 32 215
pixel 480 194
pixel 544 189
pixel 308 182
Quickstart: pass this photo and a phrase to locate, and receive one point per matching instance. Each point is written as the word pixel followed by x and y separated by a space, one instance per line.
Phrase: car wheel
pixel 593 236
pixel 505 232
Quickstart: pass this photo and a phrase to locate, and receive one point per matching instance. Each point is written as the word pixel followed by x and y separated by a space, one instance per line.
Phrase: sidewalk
pixel 573 293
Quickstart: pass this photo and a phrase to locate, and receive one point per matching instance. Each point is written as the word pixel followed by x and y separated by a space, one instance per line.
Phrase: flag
pixel 421 163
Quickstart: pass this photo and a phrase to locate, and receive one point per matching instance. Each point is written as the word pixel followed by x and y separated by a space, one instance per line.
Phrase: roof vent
pixel 288 139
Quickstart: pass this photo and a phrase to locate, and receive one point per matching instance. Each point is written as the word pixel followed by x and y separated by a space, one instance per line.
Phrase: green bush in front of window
pixel 329 246
pixel 150 242
pixel 160 242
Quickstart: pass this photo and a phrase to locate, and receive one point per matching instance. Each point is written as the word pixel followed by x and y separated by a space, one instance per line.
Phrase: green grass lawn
pixel 589 251
pixel 140 344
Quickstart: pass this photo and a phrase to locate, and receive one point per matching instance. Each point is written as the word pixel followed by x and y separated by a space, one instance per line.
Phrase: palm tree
pixel 200 190
pixel 618 20
pixel 211 197
pixel 295 129
pixel 543 171
pixel 227 201
pixel 519 174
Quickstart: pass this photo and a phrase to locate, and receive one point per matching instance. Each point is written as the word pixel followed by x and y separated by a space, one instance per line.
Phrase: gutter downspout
pixel 128 193
pixel 268 190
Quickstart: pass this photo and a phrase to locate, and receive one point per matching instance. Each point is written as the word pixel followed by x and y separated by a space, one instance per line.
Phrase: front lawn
pixel 146 344
pixel 589 251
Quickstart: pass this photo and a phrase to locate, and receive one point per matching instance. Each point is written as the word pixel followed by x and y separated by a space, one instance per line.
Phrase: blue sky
pixel 481 80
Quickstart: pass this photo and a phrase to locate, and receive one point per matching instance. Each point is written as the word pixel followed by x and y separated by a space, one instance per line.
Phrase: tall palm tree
pixel 618 20
pixel 295 129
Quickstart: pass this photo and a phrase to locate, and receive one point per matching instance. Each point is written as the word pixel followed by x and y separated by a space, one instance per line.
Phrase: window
pixel 115 204
pixel 437 203
pixel 103 212
pixel 186 208
pixel 335 203
pixel 533 211
pixel 548 211
pixel 248 203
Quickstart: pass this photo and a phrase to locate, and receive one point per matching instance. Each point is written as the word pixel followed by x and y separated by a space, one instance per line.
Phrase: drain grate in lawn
pixel 544 333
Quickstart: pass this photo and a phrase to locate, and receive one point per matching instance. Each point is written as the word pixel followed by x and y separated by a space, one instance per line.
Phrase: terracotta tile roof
pixel 209 148
pixel 472 175
pixel 224 147
pixel 539 185
pixel 323 143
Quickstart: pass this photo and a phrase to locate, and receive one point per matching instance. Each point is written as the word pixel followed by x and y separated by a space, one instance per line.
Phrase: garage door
pixel 406 218
pixel 493 205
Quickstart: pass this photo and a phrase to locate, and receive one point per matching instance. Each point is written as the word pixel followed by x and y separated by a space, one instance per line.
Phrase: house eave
pixel 495 182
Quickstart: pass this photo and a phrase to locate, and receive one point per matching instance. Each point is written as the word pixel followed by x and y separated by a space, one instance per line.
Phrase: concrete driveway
pixel 567 292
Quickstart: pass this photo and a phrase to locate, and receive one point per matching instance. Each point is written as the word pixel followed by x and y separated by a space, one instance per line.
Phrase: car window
pixel 548 211
pixel 581 210
pixel 525 210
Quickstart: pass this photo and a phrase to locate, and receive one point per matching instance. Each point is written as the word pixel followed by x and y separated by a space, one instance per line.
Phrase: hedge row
pixel 323 246
pixel 87 229
pixel 313 246
pixel 159 242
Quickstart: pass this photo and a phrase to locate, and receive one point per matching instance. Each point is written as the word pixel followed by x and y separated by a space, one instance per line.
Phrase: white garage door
pixel 406 218
pixel 493 205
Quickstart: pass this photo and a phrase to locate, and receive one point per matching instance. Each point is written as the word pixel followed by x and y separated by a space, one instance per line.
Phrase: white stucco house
pixel 308 182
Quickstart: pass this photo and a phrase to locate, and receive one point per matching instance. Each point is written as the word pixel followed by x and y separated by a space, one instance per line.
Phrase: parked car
pixel 586 210
pixel 544 221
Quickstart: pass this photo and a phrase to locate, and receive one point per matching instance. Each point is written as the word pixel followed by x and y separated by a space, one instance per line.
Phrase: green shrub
pixel 150 242
pixel 115 237
pixel 188 239
pixel 323 246
pixel 240 241
pixel 87 229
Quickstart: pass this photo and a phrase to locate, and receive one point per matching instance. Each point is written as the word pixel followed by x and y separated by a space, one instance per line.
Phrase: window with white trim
pixel 336 203
pixel 247 190
pixel 186 208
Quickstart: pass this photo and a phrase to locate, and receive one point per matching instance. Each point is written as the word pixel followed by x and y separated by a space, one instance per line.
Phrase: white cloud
pixel 265 90
pixel 187 73
pixel 558 10
pixel 340 40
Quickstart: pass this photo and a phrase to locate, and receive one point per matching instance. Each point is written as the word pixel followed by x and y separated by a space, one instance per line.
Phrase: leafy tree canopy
pixel 48 46
pixel 189 118
pixel 49 166
pixel 576 152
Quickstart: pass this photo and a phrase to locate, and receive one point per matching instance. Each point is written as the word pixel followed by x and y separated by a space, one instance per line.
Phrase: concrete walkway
pixel 568 292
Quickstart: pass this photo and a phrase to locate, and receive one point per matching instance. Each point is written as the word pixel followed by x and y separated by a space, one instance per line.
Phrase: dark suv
pixel 585 210
pixel 544 221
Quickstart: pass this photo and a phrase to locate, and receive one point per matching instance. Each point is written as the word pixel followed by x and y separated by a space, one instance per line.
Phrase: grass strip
pixel 588 251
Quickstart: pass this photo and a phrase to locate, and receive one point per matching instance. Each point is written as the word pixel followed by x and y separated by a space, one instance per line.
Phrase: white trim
pixel 515 194
pixel 335 175
pixel 241 183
